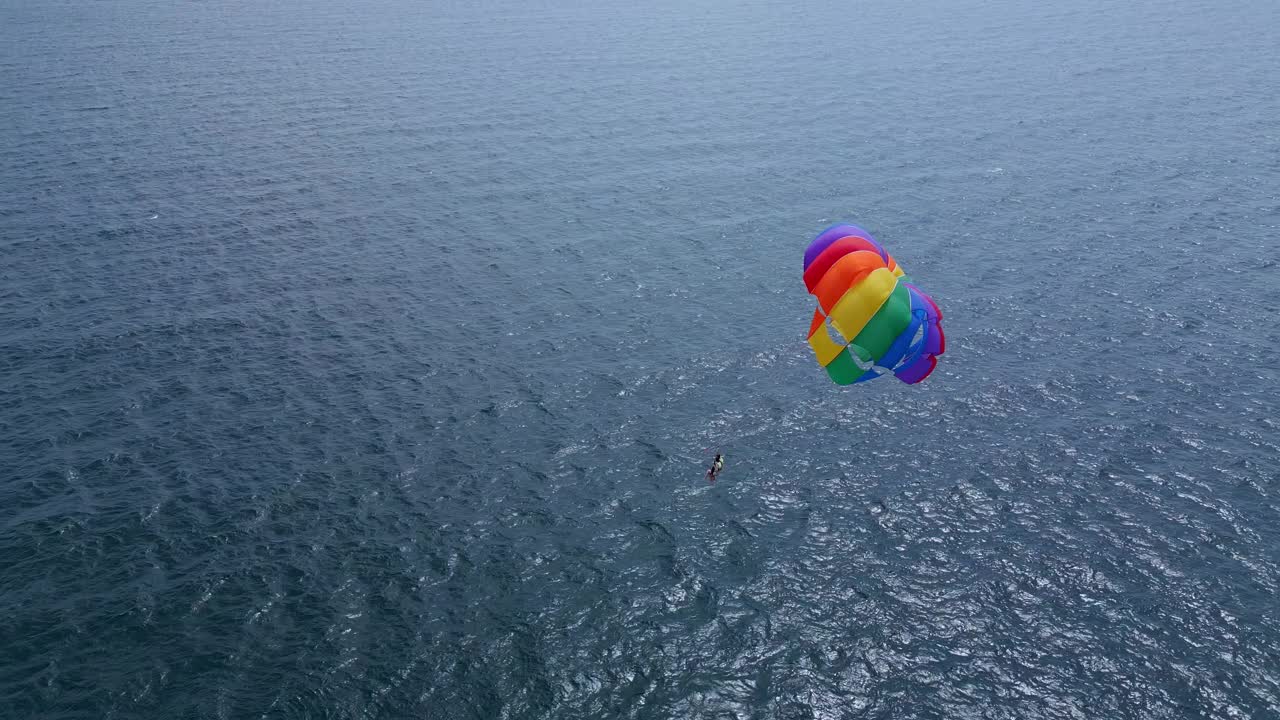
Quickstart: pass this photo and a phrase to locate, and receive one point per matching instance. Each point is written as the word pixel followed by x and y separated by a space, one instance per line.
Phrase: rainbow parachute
pixel 870 319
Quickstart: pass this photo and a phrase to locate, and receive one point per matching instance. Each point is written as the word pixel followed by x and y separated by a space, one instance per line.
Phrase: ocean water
pixel 362 360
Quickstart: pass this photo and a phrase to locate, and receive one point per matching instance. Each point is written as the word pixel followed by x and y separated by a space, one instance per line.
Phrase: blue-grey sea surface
pixel 363 360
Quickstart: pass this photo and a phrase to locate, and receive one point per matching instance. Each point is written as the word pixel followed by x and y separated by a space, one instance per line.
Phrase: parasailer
pixel 870 318
pixel 716 466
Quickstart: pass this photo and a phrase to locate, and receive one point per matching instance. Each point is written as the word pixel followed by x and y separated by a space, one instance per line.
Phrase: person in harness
pixel 716 466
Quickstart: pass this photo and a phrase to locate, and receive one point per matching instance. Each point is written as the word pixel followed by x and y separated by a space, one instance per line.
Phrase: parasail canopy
pixel 870 318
